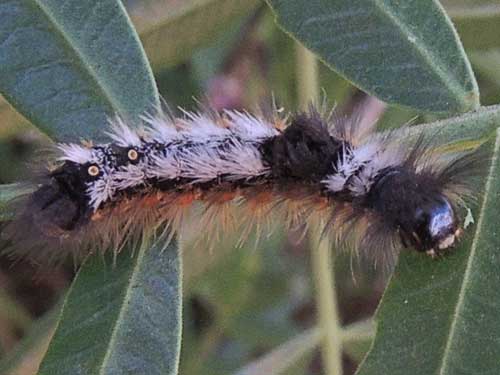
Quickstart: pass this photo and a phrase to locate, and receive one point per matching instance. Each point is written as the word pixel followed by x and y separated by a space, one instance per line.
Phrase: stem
pixel 326 302
pixel 307 77
pixel 322 260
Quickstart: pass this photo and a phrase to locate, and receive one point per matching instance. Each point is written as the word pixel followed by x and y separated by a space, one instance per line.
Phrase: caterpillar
pixel 374 190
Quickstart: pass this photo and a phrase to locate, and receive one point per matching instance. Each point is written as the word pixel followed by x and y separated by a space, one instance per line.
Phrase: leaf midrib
pixel 448 81
pixel 123 309
pixel 81 61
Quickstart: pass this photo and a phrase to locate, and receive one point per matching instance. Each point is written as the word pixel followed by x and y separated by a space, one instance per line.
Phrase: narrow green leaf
pixel 469 126
pixel 441 317
pixel 123 318
pixel 67 66
pixel 171 32
pixel 405 53
pixel 280 359
pixel 476 22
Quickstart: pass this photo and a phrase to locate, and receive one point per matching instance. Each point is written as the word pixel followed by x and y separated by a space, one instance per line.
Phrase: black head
pixel 415 207
pixel 77 188
pixel 62 202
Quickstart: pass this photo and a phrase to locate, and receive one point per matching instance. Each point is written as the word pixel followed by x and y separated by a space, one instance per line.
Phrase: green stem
pixel 326 302
pixel 307 77
pixel 322 260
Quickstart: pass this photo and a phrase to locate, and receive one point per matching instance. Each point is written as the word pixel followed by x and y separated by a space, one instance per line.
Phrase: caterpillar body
pixel 389 194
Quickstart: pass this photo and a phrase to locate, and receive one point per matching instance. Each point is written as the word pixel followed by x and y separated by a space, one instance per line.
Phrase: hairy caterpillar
pixel 385 193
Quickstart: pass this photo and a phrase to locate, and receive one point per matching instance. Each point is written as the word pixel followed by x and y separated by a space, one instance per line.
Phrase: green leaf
pixel 171 32
pixel 408 55
pixel 441 317
pixel 68 66
pixel 123 318
pixel 476 22
pixel 471 126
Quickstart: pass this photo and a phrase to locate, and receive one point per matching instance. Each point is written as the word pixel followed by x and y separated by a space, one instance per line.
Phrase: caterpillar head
pixel 417 208
pixel 58 213
pixel 73 190
pixel 436 226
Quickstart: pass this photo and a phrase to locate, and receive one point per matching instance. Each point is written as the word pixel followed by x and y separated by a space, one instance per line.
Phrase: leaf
pixel 480 124
pixel 408 55
pixel 170 32
pixel 68 66
pixel 284 356
pixel 441 317
pixel 476 22
pixel 123 318
pixel 166 39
